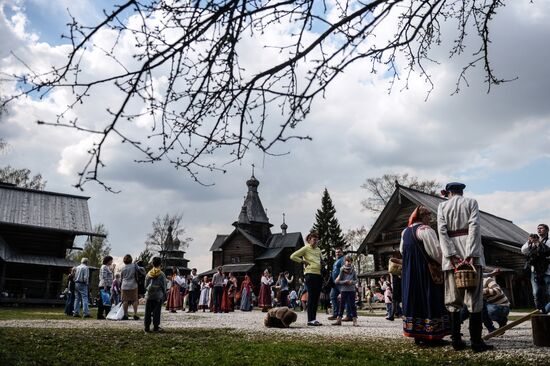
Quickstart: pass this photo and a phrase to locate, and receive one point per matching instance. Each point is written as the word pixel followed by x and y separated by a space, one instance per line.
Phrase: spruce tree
pixel 326 224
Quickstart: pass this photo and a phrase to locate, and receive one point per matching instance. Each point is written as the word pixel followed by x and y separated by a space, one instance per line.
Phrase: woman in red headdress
pixel 426 318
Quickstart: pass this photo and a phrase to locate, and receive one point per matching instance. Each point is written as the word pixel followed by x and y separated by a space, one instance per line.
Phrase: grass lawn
pixel 33 346
pixel 43 313
pixel 109 346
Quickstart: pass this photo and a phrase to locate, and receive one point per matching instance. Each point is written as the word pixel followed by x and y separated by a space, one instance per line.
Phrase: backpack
pixel 155 288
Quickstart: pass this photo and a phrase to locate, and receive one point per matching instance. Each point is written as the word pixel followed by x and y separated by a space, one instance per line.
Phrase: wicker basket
pixel 395 266
pixel 465 276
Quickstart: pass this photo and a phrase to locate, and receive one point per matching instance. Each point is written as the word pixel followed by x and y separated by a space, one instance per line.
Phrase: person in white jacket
pixel 460 239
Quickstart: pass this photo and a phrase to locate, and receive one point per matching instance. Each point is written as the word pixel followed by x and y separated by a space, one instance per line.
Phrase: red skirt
pixel 264 301
pixel 175 300
pixel 227 302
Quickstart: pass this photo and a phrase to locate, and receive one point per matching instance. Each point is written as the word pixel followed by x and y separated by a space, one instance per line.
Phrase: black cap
pixel 453 187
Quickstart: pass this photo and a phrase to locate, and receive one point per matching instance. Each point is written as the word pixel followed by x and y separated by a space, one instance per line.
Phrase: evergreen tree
pixel 328 227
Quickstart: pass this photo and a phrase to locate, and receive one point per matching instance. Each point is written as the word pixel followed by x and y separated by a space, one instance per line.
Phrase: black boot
pixel 475 334
pixel 456 323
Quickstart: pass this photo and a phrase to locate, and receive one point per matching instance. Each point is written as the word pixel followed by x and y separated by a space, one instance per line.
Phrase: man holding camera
pixel 537 251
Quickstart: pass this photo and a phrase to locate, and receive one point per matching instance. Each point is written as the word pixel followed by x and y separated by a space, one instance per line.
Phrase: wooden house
pixel 501 239
pixel 251 247
pixel 36 230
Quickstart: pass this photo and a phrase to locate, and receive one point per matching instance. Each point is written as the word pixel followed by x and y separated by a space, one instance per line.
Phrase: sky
pixel 497 143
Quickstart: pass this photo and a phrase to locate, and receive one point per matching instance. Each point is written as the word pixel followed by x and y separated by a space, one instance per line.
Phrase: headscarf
pixel 417 214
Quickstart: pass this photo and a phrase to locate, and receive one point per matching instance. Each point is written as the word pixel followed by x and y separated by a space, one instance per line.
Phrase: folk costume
pixel 228 296
pixel 174 301
pixel 460 235
pixel 204 299
pixel 426 318
pixel 246 294
pixel 264 300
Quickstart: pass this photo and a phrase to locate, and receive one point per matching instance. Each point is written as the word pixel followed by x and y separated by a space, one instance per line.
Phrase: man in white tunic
pixel 460 240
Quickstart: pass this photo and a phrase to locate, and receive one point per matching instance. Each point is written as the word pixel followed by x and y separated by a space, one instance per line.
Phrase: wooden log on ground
pixel 501 330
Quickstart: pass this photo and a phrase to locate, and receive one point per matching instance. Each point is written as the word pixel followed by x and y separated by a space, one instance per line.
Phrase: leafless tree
pixel 354 238
pixel 210 102
pixel 156 240
pixel 381 188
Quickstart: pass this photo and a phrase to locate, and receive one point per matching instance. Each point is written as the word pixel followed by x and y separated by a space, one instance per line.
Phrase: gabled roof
pixel 45 210
pixel 290 240
pixel 492 227
pixel 251 238
pixel 270 253
pixel 217 245
pixel 222 239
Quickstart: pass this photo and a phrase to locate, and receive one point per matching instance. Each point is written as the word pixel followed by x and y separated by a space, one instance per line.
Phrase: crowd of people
pixel 425 294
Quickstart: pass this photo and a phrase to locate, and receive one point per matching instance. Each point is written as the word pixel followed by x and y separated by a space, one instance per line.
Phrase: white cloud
pixel 526 209
pixel 359 131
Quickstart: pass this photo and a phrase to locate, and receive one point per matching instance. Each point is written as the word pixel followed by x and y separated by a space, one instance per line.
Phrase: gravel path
pixel 516 343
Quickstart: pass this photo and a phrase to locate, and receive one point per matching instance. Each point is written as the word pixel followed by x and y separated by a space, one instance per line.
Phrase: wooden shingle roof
pixel 492 227
pixel 44 210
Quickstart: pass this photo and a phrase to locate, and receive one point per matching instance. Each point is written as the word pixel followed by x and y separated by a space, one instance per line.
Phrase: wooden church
pixel 501 239
pixel 252 247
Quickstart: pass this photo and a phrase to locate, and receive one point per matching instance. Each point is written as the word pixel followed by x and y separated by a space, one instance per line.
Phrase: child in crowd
pixel 368 298
pixel 115 290
pixel 293 297
pixel 388 299
pixel 346 280
pixel 155 286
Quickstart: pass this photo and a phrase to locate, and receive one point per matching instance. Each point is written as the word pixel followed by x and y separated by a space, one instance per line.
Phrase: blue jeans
pixel 541 289
pixel 347 300
pixel 334 292
pixel 293 304
pixel 69 303
pixel 81 295
pixel 389 309
pixel 115 298
pixel 497 313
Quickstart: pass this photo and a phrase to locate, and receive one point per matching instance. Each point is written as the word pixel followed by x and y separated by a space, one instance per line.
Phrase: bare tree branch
pixel 211 104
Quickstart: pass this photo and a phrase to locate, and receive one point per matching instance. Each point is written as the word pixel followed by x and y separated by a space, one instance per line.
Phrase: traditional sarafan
pixel 426 318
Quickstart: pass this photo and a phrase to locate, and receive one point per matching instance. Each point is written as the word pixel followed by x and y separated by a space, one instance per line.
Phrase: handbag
pixel 105 297
pixel 395 266
pixel 436 272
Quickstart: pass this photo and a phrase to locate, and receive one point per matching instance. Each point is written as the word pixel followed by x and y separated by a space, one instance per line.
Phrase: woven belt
pixel 455 233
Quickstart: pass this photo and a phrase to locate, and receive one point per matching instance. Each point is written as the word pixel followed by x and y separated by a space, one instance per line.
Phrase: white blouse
pixel 267 281
pixel 429 238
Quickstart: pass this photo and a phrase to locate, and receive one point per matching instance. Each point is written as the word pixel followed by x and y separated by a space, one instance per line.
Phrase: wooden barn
pixel 251 247
pixel 502 241
pixel 36 230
